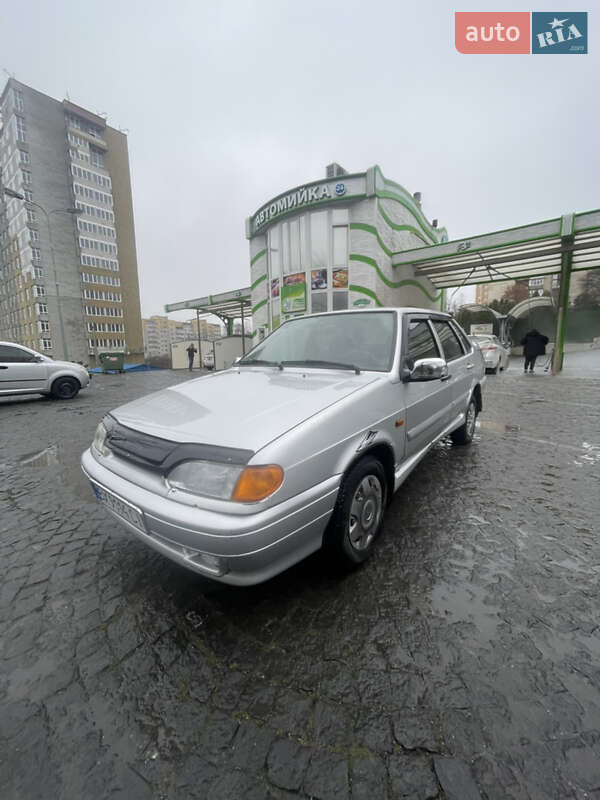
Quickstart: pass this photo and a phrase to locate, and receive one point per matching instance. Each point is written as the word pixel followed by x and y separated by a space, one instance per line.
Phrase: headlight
pixel 99 442
pixel 225 481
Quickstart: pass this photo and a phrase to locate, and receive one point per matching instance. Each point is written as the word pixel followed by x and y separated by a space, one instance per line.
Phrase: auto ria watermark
pixel 521 32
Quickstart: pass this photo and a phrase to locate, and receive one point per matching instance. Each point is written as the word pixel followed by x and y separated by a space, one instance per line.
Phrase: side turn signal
pixel 256 483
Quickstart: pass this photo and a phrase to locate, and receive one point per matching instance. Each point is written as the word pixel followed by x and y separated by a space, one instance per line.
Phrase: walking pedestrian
pixel 534 345
pixel 191 351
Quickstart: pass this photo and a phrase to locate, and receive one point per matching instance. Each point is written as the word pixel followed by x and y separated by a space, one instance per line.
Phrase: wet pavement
pixel 462 661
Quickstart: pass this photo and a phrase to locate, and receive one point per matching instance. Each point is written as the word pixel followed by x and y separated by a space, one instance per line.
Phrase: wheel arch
pixel 62 375
pixel 384 453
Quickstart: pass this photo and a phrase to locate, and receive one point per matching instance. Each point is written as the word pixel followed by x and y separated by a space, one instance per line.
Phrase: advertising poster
pixel 275 287
pixel 340 278
pixel 293 293
pixel 318 279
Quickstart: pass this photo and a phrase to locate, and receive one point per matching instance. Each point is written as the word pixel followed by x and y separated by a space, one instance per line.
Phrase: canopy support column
pixel 243 333
pixel 199 343
pixel 566 261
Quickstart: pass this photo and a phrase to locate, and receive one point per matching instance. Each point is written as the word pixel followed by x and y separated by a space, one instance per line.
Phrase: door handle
pixel 470 366
pixel 446 377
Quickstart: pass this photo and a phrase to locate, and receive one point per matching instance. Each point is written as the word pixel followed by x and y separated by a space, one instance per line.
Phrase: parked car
pixel 24 371
pixel 495 353
pixel 300 445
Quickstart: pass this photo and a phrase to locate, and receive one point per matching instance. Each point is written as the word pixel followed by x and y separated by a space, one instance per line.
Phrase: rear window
pixel 450 343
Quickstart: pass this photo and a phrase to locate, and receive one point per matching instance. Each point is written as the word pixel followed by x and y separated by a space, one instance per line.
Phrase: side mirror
pixel 38 359
pixel 425 369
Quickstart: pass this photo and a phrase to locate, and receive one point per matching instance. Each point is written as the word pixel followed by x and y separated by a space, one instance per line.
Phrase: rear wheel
pixel 464 434
pixel 65 388
pixel 358 513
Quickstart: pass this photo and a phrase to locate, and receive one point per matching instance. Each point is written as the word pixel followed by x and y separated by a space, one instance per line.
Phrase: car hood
pixel 245 408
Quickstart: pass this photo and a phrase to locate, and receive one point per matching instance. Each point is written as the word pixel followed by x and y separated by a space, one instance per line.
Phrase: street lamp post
pixel 74 211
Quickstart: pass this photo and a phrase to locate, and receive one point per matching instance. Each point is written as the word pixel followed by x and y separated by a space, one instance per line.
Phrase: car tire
pixel 464 434
pixel 65 388
pixel 358 514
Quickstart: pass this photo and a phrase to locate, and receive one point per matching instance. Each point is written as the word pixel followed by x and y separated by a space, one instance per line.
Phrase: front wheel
pixel 65 388
pixel 464 434
pixel 358 513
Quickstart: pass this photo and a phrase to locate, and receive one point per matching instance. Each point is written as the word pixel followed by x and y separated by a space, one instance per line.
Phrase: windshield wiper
pixel 309 362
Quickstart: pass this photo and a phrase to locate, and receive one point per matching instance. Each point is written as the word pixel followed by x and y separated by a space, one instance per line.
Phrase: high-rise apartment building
pixel 68 267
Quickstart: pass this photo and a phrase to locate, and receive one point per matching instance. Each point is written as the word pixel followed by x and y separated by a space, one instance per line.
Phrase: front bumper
pixel 251 548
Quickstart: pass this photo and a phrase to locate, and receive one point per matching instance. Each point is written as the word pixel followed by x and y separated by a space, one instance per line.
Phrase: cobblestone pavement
pixel 462 661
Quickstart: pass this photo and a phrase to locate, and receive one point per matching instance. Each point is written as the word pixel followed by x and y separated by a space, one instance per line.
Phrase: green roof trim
pixel 257 256
pixel 408 201
pixel 397 227
pixel 368 292
pixel 361 226
pixel 258 305
pixel 392 284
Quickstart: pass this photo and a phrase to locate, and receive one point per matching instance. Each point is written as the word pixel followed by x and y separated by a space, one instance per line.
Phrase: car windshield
pixel 362 340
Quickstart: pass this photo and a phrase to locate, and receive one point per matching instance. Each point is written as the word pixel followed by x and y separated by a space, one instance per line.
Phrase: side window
pixel 14 355
pixel 467 346
pixel 421 343
pixel 449 340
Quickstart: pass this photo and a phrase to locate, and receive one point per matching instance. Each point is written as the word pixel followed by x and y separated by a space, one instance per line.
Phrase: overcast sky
pixel 229 103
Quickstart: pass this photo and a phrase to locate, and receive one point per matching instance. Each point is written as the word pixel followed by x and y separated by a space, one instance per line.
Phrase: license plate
pixel 121 508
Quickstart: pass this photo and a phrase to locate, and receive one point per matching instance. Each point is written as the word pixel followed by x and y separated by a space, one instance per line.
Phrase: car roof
pixel 382 310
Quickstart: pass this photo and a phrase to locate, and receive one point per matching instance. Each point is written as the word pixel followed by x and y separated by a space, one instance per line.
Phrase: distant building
pixel 68 266
pixel 160 333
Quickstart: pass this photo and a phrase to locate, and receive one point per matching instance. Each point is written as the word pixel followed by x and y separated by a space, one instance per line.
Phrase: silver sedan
pixel 241 473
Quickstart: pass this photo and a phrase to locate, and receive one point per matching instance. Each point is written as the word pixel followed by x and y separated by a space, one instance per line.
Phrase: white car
pixel 495 353
pixel 23 371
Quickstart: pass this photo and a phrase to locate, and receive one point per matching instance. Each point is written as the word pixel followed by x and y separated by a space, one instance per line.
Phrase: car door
pixel 460 364
pixel 428 403
pixel 20 372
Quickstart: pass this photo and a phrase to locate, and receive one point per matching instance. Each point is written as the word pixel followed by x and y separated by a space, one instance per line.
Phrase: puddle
pixel 497 426
pixel 48 457
pixel 589 455
pixel 63 465
pixel 467 603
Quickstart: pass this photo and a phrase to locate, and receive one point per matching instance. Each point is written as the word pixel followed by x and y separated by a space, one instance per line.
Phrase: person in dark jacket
pixel 191 351
pixel 534 345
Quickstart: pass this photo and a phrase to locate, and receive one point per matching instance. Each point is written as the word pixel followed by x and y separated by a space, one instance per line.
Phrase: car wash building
pixel 327 246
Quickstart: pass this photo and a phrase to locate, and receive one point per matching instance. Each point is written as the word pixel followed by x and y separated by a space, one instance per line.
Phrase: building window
pixel 318 302
pixel 36 253
pixel 34 235
pixel 26 176
pixel 20 129
pixel 96 157
pixel 28 195
pixel 340 246
pixel 536 281
pixel 18 99
pixel 30 215
pixel 340 301
pixel 43 326
pixel 39 291
pixel 319 240
pixel 46 344
pixel 38 272
pixel 41 308
pixel 24 157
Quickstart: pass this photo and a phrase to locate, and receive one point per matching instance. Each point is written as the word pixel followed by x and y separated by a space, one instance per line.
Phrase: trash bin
pixel 112 362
